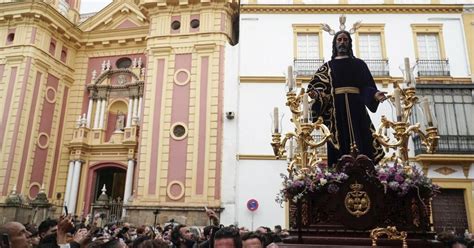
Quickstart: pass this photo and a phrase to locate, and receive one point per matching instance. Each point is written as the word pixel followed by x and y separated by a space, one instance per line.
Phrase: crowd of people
pixel 69 233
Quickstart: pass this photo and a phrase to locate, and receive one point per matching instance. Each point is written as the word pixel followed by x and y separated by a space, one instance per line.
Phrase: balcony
pixel 430 68
pixel 378 67
pixel 307 67
pixel 449 144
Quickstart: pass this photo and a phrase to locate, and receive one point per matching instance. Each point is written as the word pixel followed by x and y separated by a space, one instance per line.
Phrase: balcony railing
pixel 307 67
pixel 378 67
pixel 428 67
pixel 449 144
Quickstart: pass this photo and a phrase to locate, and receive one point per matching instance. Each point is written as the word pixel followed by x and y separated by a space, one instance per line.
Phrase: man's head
pixel 181 235
pixel 342 44
pixel 17 234
pixel 227 237
pixel 252 240
pixel 47 227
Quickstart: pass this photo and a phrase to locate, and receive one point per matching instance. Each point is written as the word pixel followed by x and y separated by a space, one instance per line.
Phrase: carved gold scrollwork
pixel 357 202
pixel 392 234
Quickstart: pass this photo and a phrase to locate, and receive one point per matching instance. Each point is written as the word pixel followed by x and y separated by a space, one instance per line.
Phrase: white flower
pixel 323 181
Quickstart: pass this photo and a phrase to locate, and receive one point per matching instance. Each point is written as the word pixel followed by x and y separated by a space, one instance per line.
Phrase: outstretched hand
pixel 380 96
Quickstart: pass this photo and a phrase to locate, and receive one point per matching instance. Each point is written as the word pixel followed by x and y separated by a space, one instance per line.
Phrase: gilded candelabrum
pixel 405 99
pixel 303 152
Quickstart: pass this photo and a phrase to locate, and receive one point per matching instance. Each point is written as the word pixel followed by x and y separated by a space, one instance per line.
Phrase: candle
pixel 425 104
pixel 398 105
pixel 290 150
pixel 275 120
pixel 407 71
pixel 305 108
pixel 291 82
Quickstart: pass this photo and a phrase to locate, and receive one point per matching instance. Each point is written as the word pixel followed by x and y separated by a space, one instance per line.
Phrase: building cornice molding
pixel 350 8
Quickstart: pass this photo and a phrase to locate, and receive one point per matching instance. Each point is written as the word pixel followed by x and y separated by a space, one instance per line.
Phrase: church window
pixel 10 38
pixel 175 25
pixel 52 47
pixel 194 23
pixel 123 63
pixel 178 131
pixel 63 54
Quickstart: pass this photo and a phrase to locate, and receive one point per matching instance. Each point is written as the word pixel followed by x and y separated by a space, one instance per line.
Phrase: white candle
pixel 275 120
pixel 398 105
pixel 305 107
pixel 425 104
pixel 291 82
pixel 290 149
pixel 407 71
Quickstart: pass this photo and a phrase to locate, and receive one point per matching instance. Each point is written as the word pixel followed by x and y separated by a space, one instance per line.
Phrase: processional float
pixel 357 201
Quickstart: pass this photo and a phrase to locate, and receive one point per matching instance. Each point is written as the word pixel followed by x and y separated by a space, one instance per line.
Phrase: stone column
pixel 135 107
pixel 70 174
pixel 98 107
pixel 128 183
pixel 89 112
pixel 102 113
pixel 129 114
pixel 140 101
pixel 74 187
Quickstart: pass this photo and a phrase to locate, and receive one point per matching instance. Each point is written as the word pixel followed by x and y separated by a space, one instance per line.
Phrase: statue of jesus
pixel 342 88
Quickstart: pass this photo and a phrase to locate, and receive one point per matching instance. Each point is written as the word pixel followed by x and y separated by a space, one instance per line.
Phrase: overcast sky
pixel 88 6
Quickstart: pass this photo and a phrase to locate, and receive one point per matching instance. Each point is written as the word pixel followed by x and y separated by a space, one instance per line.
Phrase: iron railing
pixel 307 67
pixel 432 67
pixel 378 67
pixel 449 144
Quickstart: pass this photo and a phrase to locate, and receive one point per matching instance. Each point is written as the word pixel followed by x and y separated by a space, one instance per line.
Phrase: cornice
pixel 348 8
pixel 455 158
pixel 40 10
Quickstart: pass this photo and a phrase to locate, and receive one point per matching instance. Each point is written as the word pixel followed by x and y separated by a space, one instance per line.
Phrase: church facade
pixel 164 105
pixel 127 103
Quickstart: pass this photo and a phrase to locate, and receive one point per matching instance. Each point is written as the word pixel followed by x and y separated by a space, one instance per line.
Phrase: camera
pixel 230 115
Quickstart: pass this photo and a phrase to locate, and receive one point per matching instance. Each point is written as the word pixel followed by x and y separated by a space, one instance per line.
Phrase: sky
pixel 88 6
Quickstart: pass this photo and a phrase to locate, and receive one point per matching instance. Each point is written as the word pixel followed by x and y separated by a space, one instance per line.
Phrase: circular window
pixel 179 131
pixel 195 23
pixel 123 63
pixel 175 25
pixel 11 37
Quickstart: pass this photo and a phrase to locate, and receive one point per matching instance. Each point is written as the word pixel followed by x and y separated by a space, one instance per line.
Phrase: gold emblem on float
pixel 357 202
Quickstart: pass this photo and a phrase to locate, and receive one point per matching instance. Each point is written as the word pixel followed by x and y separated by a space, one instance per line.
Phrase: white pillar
pixel 129 114
pixel 70 172
pixel 135 107
pixel 139 113
pixel 74 187
pixel 98 107
pixel 128 183
pixel 89 112
pixel 102 114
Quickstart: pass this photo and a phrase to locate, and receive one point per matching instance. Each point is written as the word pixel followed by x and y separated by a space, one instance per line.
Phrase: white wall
pixel 267 40
pixel 230 135
pixel 260 180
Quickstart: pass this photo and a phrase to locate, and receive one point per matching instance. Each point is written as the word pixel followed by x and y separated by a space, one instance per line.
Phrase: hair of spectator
pixel 229 232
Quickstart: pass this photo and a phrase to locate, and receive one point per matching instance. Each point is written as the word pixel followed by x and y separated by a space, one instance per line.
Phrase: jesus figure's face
pixel 342 44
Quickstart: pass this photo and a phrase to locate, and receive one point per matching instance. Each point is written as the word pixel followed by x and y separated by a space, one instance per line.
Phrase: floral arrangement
pixel 309 180
pixel 401 180
pixel 397 179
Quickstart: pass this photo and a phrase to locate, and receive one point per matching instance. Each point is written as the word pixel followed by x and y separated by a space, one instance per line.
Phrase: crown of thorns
pixel 342 26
